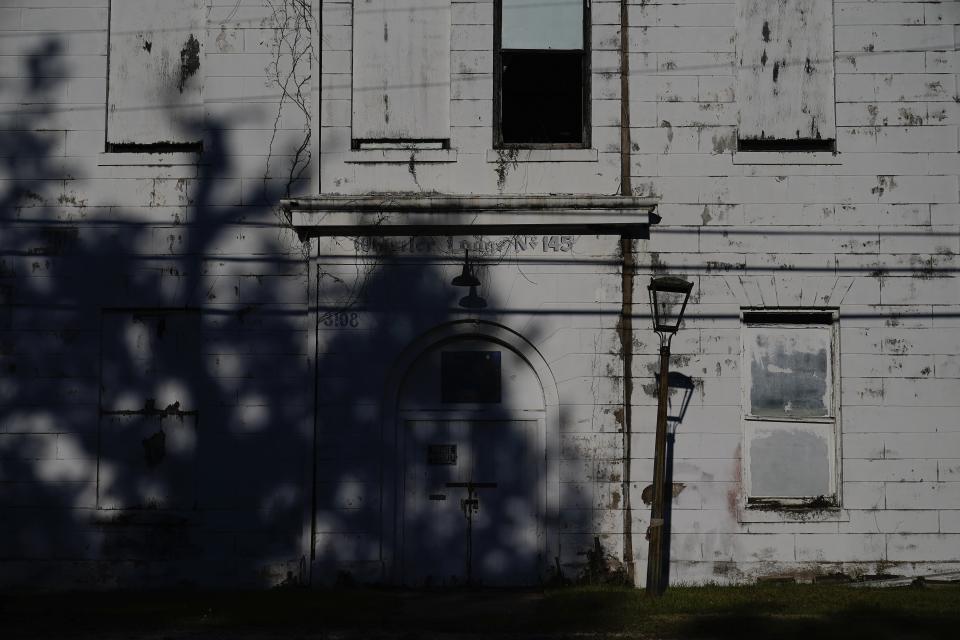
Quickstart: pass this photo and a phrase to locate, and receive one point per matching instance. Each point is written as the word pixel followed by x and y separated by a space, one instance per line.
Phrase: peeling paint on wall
pixel 189 60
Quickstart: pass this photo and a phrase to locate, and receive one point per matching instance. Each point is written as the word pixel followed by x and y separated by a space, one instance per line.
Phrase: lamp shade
pixel 466 277
pixel 472 300
pixel 668 301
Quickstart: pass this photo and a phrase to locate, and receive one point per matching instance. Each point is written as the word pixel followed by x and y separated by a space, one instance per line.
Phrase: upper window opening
pixel 542 73
pixel 785 80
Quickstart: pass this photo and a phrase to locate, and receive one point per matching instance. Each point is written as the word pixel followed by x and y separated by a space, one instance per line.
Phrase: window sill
pixel 769 513
pixel 148 159
pixel 786 157
pixel 401 156
pixel 542 155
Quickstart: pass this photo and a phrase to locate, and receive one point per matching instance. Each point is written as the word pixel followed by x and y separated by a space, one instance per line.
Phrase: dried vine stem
pixel 292 22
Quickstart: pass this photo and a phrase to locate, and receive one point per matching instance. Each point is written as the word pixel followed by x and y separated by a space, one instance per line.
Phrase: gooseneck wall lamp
pixel 668 302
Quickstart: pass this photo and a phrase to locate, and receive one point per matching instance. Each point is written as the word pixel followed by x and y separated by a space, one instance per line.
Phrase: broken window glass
pixel 542 72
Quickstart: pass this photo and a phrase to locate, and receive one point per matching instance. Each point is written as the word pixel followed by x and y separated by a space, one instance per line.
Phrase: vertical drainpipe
pixel 313 297
pixel 626 286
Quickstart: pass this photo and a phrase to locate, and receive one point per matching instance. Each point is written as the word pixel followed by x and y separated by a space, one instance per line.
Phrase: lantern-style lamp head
pixel 668 301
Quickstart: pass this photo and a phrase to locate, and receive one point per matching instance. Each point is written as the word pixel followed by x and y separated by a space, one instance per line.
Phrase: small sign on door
pixel 442 454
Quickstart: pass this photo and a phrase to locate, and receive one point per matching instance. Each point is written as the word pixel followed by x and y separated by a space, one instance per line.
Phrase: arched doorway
pixel 473 426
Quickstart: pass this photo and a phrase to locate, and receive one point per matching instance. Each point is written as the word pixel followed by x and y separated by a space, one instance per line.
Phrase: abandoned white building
pixel 233 349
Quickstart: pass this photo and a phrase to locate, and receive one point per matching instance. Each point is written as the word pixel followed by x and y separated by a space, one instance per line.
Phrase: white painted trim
pixel 148 159
pixel 798 515
pixel 391 452
pixel 760 513
pixel 786 157
pixel 401 155
pixel 316 81
pixel 542 155
pixel 392 214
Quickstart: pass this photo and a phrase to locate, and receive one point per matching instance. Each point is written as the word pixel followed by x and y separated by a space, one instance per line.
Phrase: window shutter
pixel 785 78
pixel 401 70
pixel 155 80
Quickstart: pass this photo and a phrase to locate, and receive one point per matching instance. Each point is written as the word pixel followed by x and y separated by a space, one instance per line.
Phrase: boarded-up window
pixel 790 421
pixel 149 397
pixel 401 71
pixel 155 80
pixel 785 79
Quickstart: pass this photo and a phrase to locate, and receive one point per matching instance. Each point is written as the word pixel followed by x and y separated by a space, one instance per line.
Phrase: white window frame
pixel 586 107
pixel 792 317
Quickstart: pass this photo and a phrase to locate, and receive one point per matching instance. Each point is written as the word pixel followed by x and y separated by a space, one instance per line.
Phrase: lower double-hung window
pixel 790 408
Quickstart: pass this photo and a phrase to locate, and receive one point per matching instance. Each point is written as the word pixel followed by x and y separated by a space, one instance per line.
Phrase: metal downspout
pixel 627 271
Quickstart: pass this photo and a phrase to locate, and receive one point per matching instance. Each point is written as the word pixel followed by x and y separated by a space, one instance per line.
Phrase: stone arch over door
pixel 520 425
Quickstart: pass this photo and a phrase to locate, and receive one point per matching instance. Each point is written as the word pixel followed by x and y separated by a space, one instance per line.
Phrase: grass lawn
pixel 773 610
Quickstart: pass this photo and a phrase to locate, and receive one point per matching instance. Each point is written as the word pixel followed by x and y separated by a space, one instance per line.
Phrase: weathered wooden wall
pixel 871 231
pixel 91 240
pixel 154 322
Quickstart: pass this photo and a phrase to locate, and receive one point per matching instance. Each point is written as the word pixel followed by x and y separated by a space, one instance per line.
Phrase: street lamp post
pixel 668 301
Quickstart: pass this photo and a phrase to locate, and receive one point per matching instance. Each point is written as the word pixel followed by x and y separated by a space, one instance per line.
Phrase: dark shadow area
pixel 784 611
pixel 431 482
pixel 680 391
pixel 150 360
pixel 160 400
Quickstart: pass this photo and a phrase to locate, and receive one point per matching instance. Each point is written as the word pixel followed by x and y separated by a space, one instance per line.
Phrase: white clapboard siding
pixel 155 77
pixel 785 79
pixel 401 69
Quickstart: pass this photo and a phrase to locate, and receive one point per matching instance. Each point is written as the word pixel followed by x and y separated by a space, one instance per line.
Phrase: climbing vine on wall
pixel 292 24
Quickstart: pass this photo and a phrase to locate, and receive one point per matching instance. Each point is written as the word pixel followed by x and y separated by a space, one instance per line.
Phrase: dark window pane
pixel 797 144
pixel 542 97
pixel 470 376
